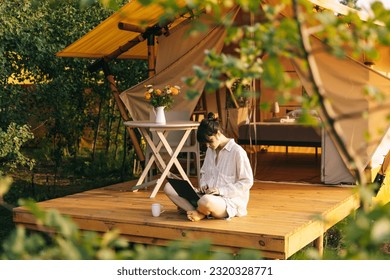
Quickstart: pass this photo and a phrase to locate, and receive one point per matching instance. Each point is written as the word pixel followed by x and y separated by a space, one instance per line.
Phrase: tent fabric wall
pixel 176 57
pixel 357 115
pixel 333 169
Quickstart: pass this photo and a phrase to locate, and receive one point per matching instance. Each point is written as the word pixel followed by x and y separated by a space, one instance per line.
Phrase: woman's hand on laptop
pixel 207 190
pixel 213 191
pixel 203 189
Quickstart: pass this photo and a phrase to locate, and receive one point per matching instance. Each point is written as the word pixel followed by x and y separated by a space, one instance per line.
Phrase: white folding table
pixel 162 131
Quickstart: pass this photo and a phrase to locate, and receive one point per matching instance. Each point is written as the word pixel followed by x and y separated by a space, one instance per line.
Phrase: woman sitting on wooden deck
pixel 226 177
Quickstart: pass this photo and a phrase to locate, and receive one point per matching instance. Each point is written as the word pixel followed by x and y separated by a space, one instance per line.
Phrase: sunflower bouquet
pixel 161 97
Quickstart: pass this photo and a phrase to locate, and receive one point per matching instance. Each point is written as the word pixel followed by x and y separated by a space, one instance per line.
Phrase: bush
pixel 11 142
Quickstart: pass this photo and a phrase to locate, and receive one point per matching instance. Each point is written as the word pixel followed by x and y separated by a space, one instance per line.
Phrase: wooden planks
pixel 299 165
pixel 282 219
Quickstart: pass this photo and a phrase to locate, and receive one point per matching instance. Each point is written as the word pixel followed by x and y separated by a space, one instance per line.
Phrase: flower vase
pixel 160 115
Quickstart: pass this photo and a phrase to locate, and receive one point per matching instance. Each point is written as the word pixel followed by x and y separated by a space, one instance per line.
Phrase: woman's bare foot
pixel 195 216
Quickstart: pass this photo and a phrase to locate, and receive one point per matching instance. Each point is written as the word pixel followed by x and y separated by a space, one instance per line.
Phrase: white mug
pixel 157 209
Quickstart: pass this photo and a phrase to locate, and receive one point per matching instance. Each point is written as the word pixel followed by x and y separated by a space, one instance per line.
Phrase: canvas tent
pixel 344 81
pixel 176 56
pixel 342 88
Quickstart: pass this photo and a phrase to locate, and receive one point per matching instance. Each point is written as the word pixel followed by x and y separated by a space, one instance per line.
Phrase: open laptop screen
pixel 185 190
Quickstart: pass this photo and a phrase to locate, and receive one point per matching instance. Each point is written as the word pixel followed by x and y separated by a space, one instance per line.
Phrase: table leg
pixel 178 149
pixel 156 157
pixel 173 160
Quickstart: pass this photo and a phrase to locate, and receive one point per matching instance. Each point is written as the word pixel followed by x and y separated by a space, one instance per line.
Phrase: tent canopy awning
pixel 106 38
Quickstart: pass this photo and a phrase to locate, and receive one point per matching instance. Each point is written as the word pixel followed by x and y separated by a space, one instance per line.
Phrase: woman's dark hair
pixel 208 127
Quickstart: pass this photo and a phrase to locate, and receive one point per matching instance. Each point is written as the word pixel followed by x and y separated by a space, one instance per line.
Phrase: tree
pixel 11 142
pixel 39 88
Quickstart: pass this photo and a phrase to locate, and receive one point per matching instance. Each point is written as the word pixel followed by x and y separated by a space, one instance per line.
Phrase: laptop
pixel 185 190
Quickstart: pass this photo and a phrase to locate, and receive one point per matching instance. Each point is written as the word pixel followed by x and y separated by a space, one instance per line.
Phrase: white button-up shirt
pixel 231 173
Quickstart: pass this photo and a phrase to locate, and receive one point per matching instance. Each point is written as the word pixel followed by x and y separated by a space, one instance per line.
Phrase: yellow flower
pixel 161 97
pixel 175 90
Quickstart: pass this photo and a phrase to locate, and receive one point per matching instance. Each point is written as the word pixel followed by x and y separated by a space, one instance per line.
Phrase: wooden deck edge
pixel 320 225
pixel 268 247
pixel 215 248
pixel 153 241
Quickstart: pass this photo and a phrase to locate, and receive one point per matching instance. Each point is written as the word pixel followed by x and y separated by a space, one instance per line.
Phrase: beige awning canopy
pixel 107 38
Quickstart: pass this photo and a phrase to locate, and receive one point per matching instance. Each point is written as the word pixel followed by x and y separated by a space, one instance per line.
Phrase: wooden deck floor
pixel 282 219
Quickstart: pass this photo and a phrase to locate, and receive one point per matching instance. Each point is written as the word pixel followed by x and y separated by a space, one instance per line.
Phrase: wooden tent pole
pixel 380 176
pixel 219 106
pixel 151 56
pixel 123 112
